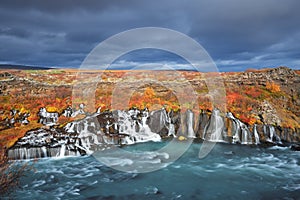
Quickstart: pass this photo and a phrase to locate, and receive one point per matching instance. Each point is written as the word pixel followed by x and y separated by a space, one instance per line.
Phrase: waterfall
pixel 171 130
pixel 189 122
pixel 62 151
pixel 242 133
pixel 136 129
pixel 38 152
pixel 44 150
pixel 273 137
pixel 171 126
pixel 18 153
pixel 214 129
pixel 256 134
pixel 237 127
pixel 163 117
pixel 246 135
pixel 98 130
pixel 272 130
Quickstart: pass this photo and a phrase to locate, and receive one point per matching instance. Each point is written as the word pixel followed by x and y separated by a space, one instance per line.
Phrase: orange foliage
pixel 9 136
pixel 247 119
pixel 147 99
pixel 242 100
pixel 149 93
pixel 253 92
pixel 233 97
pixel 272 87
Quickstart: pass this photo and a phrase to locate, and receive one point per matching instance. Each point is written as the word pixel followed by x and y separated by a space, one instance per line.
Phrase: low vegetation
pixel 27 91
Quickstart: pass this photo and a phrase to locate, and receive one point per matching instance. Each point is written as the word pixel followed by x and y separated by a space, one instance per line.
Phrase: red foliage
pixel 253 92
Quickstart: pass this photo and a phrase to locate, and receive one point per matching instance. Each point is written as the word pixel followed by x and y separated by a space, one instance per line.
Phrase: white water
pixel 257 141
pixel 86 136
pixel 189 121
pixel 136 132
pixel 272 130
pixel 273 135
pixel 237 127
pixel 133 130
pixel 62 151
pixel 242 134
pixel 171 127
pixel 213 130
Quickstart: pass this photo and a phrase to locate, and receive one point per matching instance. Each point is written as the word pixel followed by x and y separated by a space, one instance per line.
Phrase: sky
pixel 236 34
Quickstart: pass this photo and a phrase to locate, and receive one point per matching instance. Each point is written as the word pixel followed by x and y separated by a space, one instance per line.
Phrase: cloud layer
pixel 237 34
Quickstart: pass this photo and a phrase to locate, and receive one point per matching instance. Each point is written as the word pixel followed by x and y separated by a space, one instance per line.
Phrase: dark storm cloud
pixel 249 30
pixel 237 34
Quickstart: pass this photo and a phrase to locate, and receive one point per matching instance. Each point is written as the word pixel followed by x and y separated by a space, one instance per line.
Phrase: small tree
pixel 10 174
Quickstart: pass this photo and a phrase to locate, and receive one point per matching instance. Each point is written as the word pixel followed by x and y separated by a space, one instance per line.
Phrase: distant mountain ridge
pixel 22 67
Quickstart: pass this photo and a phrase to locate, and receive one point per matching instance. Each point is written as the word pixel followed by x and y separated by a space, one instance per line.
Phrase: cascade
pixel 271 131
pixel 171 125
pixel 103 129
pixel 214 129
pixel 257 141
pixel 273 137
pixel 189 122
pixel 237 127
pixel 62 151
pixel 246 135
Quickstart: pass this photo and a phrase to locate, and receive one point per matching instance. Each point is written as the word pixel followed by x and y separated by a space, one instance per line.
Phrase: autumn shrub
pixel 10 174
pixel 272 87
pixel 253 92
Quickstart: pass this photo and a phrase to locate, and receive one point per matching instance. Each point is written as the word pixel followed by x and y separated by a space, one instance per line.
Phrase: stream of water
pixel 228 172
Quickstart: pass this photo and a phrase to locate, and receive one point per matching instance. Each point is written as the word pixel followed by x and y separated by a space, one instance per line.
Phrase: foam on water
pixel 117 161
pixel 278 148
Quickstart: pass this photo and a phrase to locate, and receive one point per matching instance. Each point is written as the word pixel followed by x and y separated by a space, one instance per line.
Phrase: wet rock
pixel 203 120
pixel 295 147
pixel 99 130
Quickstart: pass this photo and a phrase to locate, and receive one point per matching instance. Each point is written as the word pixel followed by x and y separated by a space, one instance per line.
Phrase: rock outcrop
pixel 100 130
pixel 266 114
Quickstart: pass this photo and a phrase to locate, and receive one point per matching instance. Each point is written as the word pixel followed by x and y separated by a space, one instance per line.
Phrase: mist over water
pixel 228 172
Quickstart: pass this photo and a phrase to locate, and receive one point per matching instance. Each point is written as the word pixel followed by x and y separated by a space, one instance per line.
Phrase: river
pixel 228 172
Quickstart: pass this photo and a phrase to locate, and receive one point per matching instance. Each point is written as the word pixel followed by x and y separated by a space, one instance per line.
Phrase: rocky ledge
pixel 101 130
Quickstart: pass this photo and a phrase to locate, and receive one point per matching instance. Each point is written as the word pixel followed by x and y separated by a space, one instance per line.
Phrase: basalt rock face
pixel 41 143
pixel 287 100
pixel 87 135
pixel 100 130
pixel 282 75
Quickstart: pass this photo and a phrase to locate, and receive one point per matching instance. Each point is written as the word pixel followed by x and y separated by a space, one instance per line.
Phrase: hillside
pixel 269 96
